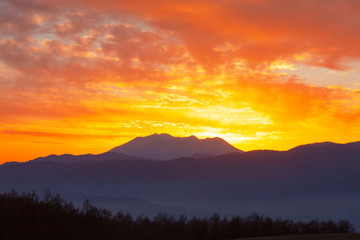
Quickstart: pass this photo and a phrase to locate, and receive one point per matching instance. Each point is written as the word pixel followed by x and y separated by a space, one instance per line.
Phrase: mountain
pixel 154 147
pixel 354 144
pixel 166 147
pixel 86 158
pixel 9 163
pixel 318 181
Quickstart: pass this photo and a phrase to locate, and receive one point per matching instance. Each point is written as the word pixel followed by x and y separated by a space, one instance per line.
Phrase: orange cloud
pixel 261 30
pixel 86 69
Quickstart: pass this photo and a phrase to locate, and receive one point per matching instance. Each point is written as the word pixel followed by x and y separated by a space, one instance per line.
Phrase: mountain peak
pixel 165 146
pixel 317 145
pixel 168 136
pixel 164 135
pixel 193 137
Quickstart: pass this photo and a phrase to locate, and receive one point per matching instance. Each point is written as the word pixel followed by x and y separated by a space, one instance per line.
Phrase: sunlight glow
pixel 85 76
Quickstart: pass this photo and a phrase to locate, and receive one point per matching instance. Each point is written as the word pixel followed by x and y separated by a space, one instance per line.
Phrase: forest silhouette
pixel 28 216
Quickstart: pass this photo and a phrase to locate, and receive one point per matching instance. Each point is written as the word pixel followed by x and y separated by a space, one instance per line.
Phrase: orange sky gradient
pixel 83 76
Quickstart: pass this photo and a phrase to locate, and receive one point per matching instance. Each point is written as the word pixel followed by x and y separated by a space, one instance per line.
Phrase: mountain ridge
pixel 114 155
pixel 69 158
pixel 308 182
pixel 165 147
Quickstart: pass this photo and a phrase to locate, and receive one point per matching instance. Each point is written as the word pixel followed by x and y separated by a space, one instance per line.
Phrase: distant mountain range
pixel 318 180
pixel 69 158
pixel 153 147
pixel 166 147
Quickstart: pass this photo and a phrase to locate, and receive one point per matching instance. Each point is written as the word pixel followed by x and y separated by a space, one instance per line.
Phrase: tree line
pixel 28 216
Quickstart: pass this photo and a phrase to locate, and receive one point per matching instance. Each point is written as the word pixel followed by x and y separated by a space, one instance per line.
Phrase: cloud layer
pixel 106 71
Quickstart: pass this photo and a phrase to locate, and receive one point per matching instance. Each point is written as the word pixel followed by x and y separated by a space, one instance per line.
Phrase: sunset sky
pixel 83 76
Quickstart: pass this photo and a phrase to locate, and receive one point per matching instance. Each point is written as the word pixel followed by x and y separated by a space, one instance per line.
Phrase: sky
pixel 84 76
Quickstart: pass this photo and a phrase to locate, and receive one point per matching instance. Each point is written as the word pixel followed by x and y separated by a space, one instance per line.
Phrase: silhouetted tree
pixel 24 216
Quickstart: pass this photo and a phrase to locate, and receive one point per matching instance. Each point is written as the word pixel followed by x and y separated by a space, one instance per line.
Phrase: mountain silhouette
pixel 85 158
pixel 354 144
pixel 153 147
pixel 166 147
pixel 327 145
pixel 318 180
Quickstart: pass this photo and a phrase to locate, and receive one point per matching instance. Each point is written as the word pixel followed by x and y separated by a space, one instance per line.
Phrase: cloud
pixel 206 64
pixel 57 135
pixel 292 101
pixel 257 31
pixel 277 29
